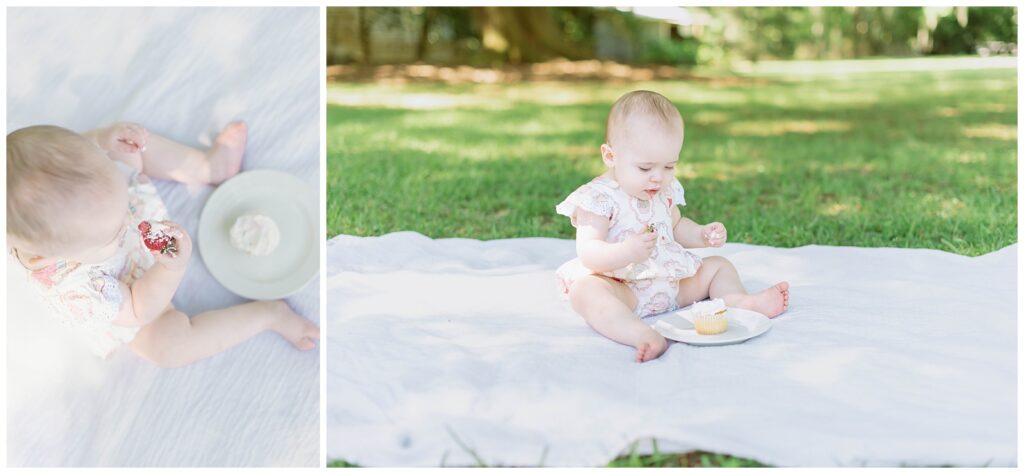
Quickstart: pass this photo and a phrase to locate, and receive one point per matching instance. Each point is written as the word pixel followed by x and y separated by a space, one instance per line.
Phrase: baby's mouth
pixel 651 192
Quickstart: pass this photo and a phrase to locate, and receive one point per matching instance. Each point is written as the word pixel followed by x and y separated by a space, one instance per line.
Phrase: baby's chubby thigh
pixel 156 341
pixel 591 294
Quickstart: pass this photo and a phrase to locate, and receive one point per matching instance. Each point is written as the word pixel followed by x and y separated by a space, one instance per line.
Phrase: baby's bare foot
pixel 299 331
pixel 651 347
pixel 770 302
pixel 225 156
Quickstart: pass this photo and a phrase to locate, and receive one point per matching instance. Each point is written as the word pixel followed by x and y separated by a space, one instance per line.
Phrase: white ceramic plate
pixel 743 324
pixel 288 201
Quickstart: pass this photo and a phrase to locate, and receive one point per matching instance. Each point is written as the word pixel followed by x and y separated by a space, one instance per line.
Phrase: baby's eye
pixel 670 167
pixel 644 169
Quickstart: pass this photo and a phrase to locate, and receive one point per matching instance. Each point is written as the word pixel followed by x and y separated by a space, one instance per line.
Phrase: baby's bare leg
pixel 175 340
pixel 718 278
pixel 167 159
pixel 607 306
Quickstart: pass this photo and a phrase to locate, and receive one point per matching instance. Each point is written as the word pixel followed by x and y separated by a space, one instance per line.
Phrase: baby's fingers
pixel 130 138
pixel 176 230
pixel 137 135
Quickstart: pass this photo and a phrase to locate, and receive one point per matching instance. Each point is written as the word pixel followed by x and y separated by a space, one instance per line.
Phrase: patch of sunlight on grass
pixel 706 117
pixel 425 145
pixel 863 168
pixel 686 171
pixel 551 94
pixel 813 70
pixel 410 100
pixel 951 207
pixel 943 206
pixel 988 108
pixel 724 171
pixel 947 112
pixel 767 128
pixel 687 97
pixel 837 208
pixel 995 131
pixel 967 157
pixel 581 151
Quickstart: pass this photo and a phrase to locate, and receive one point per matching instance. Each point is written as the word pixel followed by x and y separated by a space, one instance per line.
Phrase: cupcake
pixel 709 317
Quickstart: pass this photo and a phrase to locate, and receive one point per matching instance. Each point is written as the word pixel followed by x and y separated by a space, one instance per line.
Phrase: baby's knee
pixel 586 286
pixel 717 261
pixel 156 344
pixel 159 354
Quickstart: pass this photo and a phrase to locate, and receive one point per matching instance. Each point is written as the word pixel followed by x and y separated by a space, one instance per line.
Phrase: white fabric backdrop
pixel 183 73
pixel 885 357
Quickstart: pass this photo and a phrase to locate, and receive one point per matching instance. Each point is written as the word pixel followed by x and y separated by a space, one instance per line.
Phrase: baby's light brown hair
pixel 641 104
pixel 51 171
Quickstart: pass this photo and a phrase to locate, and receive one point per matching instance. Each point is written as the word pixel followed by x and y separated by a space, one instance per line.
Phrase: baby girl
pixel 631 238
pixel 74 207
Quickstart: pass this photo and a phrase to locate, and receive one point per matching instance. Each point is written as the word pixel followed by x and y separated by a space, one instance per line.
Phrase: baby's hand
pixel 123 137
pixel 714 234
pixel 177 259
pixel 639 247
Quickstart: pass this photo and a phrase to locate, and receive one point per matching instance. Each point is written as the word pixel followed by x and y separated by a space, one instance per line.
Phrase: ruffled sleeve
pixel 678 195
pixel 591 197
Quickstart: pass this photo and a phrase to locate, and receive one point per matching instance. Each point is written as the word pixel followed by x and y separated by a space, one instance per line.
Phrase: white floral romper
pixel 86 297
pixel 655 282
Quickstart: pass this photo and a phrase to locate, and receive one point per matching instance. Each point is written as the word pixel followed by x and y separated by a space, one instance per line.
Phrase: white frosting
pixel 708 307
pixel 255 234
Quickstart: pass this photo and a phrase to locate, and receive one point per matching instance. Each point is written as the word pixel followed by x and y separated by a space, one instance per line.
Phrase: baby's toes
pixel 306 344
pixel 641 351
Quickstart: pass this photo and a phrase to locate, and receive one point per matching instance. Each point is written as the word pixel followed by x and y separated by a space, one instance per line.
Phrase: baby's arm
pixel 600 256
pixel 123 141
pixel 692 235
pixel 164 158
pixel 149 296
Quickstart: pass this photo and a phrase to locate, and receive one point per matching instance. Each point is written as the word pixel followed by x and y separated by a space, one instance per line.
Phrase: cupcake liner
pixel 710 324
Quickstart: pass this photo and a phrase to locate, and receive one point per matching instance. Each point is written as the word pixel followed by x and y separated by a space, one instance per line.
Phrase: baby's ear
pixel 607 155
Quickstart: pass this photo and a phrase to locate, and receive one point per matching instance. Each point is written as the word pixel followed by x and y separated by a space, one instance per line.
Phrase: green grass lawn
pixel 888 158
pixel 902 156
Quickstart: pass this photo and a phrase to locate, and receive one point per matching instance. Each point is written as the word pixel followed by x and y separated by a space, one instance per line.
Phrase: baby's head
pixel 642 143
pixel 65 197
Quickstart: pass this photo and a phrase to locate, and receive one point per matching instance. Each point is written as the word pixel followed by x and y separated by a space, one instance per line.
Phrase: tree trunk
pixel 364 34
pixel 424 39
pixel 528 34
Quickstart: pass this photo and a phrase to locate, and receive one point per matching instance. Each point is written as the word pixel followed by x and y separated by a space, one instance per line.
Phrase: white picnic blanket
pixel 183 73
pixel 459 351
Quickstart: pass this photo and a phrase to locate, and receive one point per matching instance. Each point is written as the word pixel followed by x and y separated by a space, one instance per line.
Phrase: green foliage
pixel 683 52
pixel 992 24
pixel 951 38
pixel 754 33
pixel 770 32
pixel 576 23
pixel 888 159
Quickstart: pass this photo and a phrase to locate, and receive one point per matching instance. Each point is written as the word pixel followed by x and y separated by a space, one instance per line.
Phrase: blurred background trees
pixel 495 36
